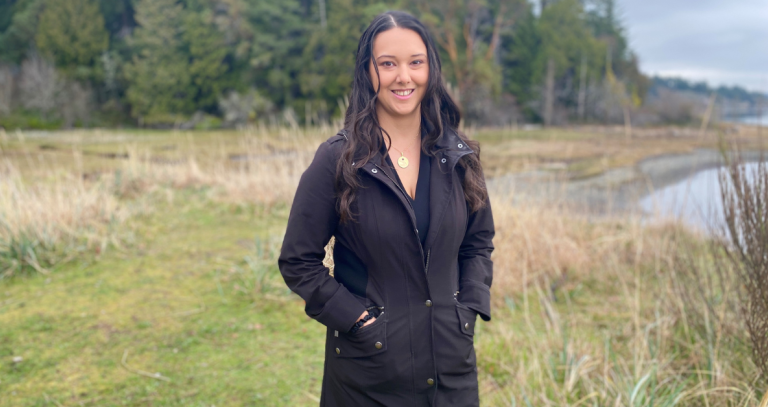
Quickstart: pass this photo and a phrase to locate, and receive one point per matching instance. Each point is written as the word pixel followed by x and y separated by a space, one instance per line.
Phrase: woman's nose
pixel 403 76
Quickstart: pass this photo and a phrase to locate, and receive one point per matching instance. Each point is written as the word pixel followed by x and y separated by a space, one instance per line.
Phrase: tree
pixel 207 50
pixel 520 48
pixel 21 25
pixel 277 33
pixel 158 76
pixel 72 33
pixel 469 32
pixel 566 45
pixel 330 53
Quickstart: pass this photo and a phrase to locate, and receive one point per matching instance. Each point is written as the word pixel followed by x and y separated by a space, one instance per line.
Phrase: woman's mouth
pixel 403 94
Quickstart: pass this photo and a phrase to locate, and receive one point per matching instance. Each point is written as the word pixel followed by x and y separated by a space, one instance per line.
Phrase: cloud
pixel 721 42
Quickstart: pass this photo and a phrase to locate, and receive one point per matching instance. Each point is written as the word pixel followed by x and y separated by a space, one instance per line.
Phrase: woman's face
pixel 401 57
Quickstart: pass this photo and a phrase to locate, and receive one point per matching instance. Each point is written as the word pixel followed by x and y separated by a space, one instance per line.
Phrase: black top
pixel 421 202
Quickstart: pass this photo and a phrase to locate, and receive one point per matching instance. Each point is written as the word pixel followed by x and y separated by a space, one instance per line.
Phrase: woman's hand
pixel 363 316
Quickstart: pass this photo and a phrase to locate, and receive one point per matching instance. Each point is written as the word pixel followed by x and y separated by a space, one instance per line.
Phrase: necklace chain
pixel 403 160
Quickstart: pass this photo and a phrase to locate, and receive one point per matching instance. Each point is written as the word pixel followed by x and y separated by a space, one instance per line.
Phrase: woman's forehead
pixel 398 43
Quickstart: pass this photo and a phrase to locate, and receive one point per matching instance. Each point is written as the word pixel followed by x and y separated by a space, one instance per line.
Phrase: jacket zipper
pixel 421 249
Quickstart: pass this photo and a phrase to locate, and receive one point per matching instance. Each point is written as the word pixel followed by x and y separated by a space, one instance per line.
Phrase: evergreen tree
pixel 206 50
pixel 21 25
pixel 520 50
pixel 277 35
pixel 330 53
pixel 72 33
pixel 158 76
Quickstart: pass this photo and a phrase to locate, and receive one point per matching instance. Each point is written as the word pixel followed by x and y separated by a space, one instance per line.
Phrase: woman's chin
pixel 403 110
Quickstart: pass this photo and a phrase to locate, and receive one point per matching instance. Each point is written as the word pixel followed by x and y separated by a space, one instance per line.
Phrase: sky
pixel 724 42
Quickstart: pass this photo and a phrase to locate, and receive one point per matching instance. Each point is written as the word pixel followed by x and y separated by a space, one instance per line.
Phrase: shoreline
pixel 616 191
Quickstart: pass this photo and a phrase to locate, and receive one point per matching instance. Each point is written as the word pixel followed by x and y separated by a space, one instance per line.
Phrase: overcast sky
pixel 720 41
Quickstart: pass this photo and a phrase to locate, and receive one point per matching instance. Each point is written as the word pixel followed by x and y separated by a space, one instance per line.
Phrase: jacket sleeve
pixel 311 223
pixel 475 265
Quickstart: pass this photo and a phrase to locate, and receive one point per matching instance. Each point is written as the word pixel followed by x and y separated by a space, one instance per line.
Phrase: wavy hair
pixel 439 113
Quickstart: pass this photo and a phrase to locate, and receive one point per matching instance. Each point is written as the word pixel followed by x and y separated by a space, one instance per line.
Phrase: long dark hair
pixel 439 113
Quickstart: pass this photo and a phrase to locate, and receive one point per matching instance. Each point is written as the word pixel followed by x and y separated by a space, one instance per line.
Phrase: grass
pixel 175 304
pixel 185 305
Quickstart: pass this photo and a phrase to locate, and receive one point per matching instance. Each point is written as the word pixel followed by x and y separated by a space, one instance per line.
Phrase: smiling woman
pixel 401 70
pixel 400 322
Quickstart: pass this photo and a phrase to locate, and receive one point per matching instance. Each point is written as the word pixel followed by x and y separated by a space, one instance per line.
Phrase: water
pixel 695 200
pixel 751 120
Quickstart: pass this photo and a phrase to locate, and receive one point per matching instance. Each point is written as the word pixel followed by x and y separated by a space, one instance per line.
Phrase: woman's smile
pixel 403 94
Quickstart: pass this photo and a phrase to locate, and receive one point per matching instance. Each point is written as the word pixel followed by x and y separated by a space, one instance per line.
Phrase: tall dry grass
pixel 42 224
pixel 49 216
pixel 585 313
pixel 610 313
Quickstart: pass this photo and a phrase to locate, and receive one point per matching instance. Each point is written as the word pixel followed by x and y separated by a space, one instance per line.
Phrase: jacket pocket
pixel 467 318
pixel 369 340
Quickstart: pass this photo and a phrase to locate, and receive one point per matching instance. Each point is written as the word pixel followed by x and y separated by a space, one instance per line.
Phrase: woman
pixel 413 240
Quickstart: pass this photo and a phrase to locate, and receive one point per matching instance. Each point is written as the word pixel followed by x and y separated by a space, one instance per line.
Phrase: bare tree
pixel 39 84
pixel 549 93
pixel 6 89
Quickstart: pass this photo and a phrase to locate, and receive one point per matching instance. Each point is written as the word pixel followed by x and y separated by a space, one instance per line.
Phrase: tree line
pixel 231 62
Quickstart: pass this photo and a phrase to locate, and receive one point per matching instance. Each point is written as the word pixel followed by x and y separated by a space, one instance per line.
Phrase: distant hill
pixel 732 101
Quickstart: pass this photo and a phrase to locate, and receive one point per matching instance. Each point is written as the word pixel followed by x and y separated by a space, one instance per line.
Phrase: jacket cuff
pixel 341 311
pixel 476 296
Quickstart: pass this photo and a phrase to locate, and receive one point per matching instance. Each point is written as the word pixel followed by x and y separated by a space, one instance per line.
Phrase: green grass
pixel 187 307
pixel 175 302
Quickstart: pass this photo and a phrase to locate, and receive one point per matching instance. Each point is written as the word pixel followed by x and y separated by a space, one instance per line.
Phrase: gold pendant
pixel 402 161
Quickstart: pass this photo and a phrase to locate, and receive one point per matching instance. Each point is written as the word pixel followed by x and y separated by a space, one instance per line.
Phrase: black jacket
pixel 420 351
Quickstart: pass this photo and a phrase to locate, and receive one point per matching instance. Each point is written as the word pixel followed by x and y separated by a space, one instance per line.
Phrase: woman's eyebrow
pixel 392 56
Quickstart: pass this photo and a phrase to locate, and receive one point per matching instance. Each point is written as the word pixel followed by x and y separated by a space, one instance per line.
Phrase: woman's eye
pixel 417 62
pixel 387 63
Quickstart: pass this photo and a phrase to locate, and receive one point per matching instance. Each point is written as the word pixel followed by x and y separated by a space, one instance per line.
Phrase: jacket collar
pixel 448 149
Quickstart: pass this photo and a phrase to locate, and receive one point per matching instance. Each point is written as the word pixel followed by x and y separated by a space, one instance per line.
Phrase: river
pixel 680 186
pixel 696 200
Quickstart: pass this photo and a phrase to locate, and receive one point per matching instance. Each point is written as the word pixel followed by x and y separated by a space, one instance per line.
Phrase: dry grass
pixel 585 313
pixel 592 314
pixel 586 151
pixel 51 213
pixel 42 224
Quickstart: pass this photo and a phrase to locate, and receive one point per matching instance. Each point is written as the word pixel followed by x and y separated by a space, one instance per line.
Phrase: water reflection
pixel 695 200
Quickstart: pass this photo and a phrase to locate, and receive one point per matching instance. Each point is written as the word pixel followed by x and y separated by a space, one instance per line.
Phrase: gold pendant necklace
pixel 402 161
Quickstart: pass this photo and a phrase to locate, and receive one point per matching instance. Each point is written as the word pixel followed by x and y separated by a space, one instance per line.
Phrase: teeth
pixel 403 92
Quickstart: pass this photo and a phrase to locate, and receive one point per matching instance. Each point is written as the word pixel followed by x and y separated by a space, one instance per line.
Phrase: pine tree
pixel 20 21
pixel 159 77
pixel 207 50
pixel 72 33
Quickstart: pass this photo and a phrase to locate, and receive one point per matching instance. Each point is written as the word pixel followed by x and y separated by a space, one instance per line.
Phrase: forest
pixel 224 63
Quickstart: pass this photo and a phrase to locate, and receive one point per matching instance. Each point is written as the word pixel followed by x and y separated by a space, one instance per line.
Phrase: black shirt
pixel 421 202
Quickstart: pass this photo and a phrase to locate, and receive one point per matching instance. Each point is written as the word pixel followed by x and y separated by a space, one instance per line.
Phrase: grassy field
pixel 139 268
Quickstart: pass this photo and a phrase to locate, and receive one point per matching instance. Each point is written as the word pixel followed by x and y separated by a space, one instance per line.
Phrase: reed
pixel 585 313
pixel 606 314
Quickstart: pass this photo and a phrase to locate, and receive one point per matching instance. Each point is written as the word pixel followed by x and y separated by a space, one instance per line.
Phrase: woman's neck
pixel 404 130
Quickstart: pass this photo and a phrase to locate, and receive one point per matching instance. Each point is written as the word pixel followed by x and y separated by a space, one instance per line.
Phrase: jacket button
pixel 338 351
pixel 374 170
pixel 378 345
pixel 428 303
pixel 466 325
pixel 461 145
pixel 443 160
pixel 430 381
